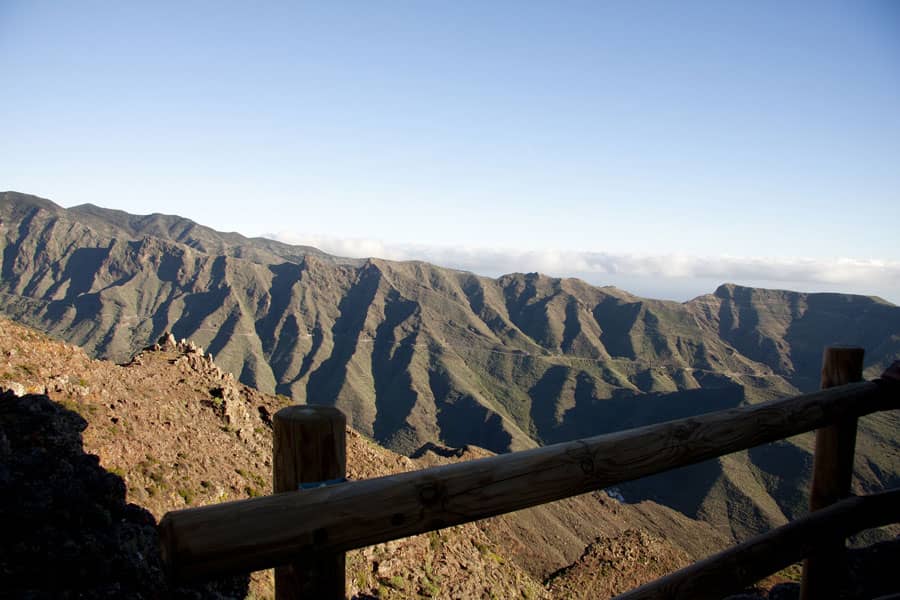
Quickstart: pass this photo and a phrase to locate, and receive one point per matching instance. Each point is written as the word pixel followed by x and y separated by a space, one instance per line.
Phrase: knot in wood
pixel 583 456
pixel 587 465
pixel 683 431
pixel 431 493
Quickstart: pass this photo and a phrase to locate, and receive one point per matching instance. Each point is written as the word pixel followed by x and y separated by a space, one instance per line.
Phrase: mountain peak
pixel 728 290
pixel 18 201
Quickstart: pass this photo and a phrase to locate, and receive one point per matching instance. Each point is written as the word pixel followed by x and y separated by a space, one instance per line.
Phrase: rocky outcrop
pixel 67 530
pixel 623 562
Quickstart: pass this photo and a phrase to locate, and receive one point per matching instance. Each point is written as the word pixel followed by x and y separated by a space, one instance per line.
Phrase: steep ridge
pixel 415 353
pixel 178 431
pixel 787 330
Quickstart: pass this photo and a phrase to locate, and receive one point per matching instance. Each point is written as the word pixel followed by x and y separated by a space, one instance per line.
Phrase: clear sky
pixel 661 146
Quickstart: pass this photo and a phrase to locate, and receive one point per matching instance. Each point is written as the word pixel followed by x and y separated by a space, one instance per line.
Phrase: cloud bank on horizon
pixel 675 275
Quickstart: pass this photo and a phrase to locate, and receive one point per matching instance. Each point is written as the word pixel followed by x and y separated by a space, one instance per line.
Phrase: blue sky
pixel 663 147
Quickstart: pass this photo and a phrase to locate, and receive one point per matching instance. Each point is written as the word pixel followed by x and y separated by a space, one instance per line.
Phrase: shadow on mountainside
pixel 325 383
pixel 67 530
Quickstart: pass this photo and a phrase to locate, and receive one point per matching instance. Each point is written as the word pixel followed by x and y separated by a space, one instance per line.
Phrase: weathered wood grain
pixel 734 569
pixel 253 534
pixel 836 444
pixel 309 446
pixel 832 473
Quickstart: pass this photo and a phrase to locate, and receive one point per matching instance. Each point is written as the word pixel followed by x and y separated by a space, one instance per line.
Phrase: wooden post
pixel 824 571
pixel 310 447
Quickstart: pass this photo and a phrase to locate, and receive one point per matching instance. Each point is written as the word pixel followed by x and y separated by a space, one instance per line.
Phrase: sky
pixel 662 147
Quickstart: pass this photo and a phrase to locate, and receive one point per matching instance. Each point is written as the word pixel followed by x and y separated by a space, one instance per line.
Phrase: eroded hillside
pixel 180 432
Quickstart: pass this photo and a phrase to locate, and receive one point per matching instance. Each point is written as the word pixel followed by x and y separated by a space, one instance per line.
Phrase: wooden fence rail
pixel 740 566
pixel 247 535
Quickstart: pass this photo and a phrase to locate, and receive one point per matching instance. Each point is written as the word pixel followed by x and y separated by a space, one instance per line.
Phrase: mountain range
pixel 414 354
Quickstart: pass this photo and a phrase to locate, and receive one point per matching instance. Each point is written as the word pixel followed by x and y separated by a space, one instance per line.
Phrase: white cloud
pixel 847 273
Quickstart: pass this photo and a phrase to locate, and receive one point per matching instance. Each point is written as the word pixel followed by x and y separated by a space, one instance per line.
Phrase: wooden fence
pixel 305 535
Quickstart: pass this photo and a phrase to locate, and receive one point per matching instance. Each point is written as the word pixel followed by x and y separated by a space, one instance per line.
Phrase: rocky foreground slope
pixel 99 452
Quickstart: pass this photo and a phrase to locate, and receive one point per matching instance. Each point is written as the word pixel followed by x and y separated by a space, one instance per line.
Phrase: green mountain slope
pixel 415 353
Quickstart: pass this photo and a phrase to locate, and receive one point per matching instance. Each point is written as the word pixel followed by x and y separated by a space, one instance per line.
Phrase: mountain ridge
pixel 414 353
